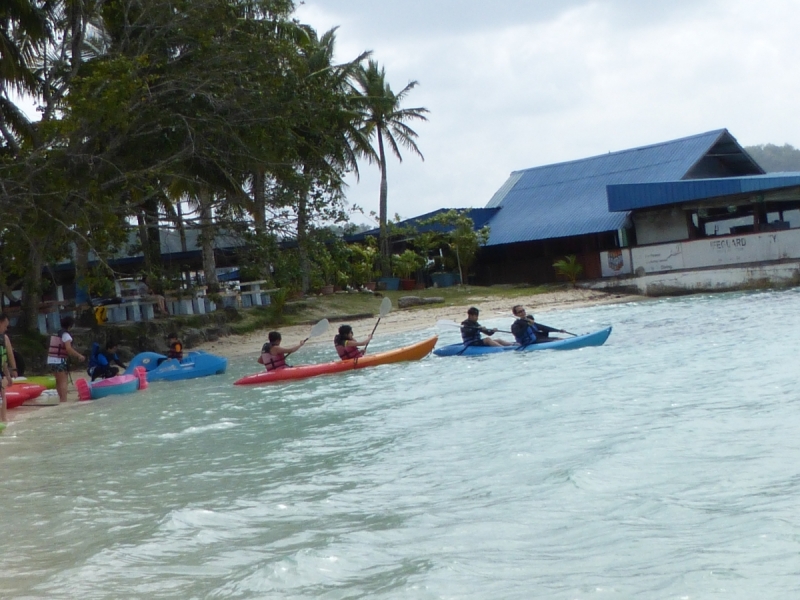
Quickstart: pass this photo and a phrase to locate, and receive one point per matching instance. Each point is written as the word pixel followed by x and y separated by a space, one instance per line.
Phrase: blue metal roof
pixel 479 216
pixel 633 196
pixel 568 199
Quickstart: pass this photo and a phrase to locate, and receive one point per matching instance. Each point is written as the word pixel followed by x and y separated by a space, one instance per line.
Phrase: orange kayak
pixel 412 352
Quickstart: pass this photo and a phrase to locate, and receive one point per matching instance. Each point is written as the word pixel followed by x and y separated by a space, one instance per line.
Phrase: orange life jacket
pixel 272 361
pixel 57 347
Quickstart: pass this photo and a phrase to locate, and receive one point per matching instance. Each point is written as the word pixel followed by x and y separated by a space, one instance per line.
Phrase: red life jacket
pixel 346 352
pixel 272 361
pixel 57 347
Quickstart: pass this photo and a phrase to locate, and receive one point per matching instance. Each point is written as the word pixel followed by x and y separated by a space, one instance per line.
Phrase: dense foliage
pixel 217 116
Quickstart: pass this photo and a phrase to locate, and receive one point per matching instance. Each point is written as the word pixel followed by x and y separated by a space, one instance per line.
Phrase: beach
pixel 397 321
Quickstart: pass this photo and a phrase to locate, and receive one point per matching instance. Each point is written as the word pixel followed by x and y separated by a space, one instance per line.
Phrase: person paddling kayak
pixel 471 332
pixel 527 331
pixel 346 345
pixel 273 355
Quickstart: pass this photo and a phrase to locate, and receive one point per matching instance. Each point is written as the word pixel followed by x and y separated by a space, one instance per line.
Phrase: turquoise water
pixel 665 464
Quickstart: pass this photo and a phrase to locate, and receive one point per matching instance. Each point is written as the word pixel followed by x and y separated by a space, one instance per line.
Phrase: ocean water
pixel 665 464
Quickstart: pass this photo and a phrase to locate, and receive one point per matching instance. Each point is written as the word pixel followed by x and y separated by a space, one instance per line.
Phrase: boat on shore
pixel 596 338
pixel 121 384
pixel 194 364
pixel 413 352
pixel 19 393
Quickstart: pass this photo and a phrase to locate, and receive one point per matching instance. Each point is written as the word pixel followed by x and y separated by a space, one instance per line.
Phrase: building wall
pixel 706 253
pixel 657 226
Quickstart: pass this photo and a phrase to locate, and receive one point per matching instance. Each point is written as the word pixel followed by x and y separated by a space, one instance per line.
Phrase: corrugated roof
pixel 647 195
pixel 568 199
pixel 479 216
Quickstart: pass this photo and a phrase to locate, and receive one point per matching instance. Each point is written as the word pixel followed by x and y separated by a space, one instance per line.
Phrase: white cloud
pixel 529 84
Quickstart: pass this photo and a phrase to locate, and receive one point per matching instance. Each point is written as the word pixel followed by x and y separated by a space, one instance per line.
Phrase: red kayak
pixel 19 393
pixel 413 352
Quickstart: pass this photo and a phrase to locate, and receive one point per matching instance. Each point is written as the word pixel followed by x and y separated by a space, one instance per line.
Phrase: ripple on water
pixel 661 465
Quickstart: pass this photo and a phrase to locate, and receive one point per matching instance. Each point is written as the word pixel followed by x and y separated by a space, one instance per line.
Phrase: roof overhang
pixel 637 196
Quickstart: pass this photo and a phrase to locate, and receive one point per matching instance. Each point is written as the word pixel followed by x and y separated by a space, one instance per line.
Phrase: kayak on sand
pixel 597 338
pixel 413 352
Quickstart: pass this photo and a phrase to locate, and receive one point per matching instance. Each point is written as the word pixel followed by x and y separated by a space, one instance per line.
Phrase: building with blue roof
pixel 547 212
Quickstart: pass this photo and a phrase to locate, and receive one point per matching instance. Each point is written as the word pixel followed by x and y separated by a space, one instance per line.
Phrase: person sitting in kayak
pixel 527 331
pixel 346 346
pixel 273 355
pixel 471 332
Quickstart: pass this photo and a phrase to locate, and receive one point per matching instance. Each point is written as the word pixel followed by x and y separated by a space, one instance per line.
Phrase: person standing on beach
pixel 7 366
pixel 471 332
pixel 59 350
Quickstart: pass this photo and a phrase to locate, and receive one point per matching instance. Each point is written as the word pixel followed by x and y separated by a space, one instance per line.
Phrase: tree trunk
pixel 386 265
pixel 259 202
pixel 181 227
pixel 207 240
pixel 32 292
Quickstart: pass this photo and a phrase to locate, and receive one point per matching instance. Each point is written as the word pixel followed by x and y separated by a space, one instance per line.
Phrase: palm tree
pixel 23 30
pixel 331 140
pixel 383 118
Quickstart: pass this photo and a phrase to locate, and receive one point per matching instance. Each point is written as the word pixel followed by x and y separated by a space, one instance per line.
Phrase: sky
pixel 522 83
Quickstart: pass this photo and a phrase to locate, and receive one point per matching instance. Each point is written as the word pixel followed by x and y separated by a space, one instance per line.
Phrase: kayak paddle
pixel 318 329
pixel 443 322
pixel 386 307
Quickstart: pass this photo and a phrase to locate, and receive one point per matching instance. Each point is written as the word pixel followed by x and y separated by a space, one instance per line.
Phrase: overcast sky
pixel 522 83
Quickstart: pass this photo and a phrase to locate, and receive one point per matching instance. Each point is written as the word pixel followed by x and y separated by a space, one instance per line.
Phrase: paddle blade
pixel 446 323
pixel 386 306
pixel 319 329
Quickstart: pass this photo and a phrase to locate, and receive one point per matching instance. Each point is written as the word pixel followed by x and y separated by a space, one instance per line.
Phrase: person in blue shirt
pixel 101 364
pixel 527 331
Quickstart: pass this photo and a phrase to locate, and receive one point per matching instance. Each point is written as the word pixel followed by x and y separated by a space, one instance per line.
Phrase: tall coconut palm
pixel 384 119
pixel 330 141
pixel 23 31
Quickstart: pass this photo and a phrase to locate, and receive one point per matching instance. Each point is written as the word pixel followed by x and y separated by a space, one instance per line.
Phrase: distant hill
pixel 775 158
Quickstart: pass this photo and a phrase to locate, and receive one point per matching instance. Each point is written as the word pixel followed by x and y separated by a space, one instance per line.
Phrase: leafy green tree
pixel 461 237
pixel 385 121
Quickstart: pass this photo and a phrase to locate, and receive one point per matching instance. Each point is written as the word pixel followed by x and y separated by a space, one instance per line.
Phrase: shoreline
pixel 397 321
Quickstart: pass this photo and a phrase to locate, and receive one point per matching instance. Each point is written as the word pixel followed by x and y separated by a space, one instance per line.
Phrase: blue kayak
pixel 194 364
pixel 598 338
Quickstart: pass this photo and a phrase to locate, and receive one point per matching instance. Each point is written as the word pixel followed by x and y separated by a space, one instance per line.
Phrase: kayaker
pixel 59 349
pixel 273 355
pixel 346 346
pixel 527 331
pixel 471 332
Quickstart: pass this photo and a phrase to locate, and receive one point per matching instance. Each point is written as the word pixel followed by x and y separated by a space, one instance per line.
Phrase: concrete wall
pixel 657 226
pixel 711 264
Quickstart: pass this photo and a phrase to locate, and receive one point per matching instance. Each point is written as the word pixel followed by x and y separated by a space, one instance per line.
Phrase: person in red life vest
pixel 346 346
pixel 273 355
pixel 59 349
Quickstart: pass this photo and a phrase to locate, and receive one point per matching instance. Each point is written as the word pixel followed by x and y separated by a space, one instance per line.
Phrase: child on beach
pixel 59 350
